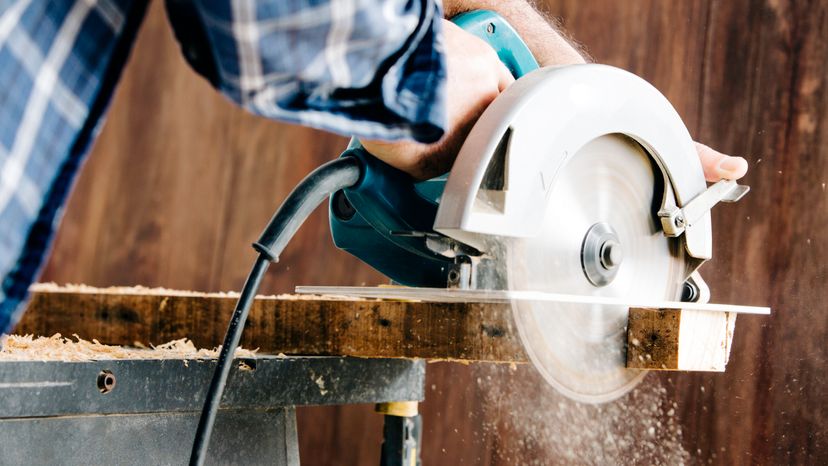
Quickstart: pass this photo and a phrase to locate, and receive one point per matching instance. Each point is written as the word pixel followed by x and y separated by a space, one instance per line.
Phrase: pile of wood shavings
pixel 58 348
pixel 143 290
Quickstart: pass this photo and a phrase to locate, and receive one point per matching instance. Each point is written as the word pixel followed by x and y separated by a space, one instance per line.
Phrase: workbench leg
pixel 401 434
pixel 291 437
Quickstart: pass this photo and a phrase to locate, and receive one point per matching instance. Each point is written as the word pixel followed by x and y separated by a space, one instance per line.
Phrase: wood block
pixel 679 340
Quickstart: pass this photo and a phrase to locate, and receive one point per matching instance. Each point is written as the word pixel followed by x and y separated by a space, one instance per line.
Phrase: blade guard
pixel 537 124
pixel 383 220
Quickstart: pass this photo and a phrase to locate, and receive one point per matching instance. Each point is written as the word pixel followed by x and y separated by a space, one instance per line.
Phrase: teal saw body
pixel 386 219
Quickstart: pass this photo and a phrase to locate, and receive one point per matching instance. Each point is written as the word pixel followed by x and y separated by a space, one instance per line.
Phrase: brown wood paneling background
pixel 180 182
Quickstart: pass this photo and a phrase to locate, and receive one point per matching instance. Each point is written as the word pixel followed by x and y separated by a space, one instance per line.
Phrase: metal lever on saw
pixel 367 219
pixel 675 220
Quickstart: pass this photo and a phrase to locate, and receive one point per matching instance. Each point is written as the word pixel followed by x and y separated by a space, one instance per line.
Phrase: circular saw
pixel 591 155
pixel 577 194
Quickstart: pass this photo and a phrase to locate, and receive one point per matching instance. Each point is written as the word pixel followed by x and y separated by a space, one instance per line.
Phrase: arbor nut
pixel 601 254
pixel 611 254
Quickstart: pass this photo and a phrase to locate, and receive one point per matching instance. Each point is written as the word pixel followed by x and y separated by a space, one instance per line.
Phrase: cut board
pixel 320 325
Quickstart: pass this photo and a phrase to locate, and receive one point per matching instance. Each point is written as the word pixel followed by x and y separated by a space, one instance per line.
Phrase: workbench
pixel 146 411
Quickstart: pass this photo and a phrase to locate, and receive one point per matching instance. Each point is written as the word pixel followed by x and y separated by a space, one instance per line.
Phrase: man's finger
pixel 718 166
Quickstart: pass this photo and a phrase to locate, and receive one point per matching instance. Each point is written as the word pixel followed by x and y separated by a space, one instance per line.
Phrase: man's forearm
pixel 546 42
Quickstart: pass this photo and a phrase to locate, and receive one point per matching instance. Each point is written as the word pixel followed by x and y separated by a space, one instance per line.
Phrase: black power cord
pixel 338 174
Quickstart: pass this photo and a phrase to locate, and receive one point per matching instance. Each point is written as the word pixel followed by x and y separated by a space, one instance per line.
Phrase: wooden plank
pixel 285 324
pixel 315 325
pixel 679 340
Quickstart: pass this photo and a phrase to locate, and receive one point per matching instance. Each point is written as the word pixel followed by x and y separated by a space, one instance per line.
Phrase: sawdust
pixel 531 423
pixel 528 422
pixel 58 348
pixel 320 382
pixel 51 287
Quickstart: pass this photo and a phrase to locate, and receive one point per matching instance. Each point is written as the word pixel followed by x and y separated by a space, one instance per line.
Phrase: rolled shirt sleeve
pixel 367 68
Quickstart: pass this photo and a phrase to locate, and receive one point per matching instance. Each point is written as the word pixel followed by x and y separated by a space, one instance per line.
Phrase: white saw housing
pixel 533 128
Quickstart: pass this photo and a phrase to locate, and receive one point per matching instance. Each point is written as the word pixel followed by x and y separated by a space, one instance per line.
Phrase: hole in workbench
pixel 106 381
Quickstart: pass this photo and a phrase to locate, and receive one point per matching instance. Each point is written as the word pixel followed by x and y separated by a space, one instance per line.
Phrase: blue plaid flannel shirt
pixel 370 68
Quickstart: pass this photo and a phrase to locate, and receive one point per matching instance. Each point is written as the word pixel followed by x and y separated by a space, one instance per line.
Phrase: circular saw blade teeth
pixel 580 349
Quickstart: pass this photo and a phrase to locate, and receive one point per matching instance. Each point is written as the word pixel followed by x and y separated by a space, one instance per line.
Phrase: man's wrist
pixel 542 34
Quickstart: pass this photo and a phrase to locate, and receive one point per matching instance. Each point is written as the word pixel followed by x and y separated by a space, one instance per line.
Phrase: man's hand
pixel 475 77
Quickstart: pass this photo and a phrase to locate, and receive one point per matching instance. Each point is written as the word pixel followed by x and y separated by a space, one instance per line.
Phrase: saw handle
pixel 502 37
pixel 383 219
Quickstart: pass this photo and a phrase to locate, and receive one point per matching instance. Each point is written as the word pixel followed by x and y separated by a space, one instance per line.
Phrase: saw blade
pixel 580 348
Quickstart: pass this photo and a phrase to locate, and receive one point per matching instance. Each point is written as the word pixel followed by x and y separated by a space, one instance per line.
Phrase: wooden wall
pixel 180 182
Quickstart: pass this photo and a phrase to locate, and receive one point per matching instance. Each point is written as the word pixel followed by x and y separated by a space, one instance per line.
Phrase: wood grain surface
pixel 663 339
pixel 180 182
pixel 289 324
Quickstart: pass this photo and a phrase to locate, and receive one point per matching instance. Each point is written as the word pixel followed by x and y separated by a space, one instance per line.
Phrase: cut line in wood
pixel 506 296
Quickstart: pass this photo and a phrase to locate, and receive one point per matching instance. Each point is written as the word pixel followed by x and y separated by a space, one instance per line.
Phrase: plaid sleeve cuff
pixel 372 69
pixel 414 87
